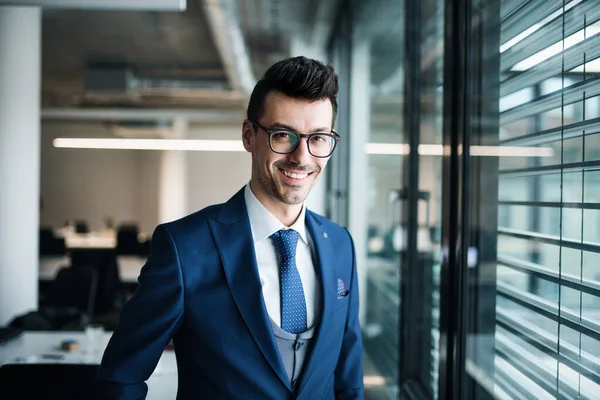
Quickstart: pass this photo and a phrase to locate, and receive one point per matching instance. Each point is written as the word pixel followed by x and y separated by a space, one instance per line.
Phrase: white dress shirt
pixel 263 225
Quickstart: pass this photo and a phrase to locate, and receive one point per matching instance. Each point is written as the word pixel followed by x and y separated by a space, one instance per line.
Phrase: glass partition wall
pixel 471 184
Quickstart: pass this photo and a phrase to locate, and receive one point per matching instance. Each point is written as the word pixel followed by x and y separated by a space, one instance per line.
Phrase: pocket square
pixel 342 290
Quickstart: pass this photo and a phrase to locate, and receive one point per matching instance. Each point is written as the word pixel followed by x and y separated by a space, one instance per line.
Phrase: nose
pixel 301 155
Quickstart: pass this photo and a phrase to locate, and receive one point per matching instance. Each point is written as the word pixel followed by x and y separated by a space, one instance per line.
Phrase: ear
pixel 248 135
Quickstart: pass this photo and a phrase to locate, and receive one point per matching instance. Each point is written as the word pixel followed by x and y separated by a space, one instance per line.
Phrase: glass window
pixel 545 332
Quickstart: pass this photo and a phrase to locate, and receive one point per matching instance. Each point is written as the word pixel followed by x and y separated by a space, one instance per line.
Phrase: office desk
pixel 30 347
pixel 129 267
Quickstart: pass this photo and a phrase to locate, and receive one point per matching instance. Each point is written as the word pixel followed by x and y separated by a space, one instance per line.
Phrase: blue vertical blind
pixel 548 274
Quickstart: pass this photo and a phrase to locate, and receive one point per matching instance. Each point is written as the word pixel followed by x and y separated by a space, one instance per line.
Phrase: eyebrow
pixel 291 128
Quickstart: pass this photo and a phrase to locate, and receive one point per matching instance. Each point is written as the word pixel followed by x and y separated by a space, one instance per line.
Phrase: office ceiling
pixel 158 59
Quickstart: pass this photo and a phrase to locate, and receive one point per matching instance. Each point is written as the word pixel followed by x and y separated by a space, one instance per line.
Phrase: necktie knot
pixel 286 241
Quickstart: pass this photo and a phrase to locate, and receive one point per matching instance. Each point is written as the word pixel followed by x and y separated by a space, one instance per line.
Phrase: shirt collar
pixel 264 224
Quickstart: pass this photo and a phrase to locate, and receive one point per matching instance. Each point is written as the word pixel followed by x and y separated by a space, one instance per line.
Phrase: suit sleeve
pixel 349 369
pixel 147 322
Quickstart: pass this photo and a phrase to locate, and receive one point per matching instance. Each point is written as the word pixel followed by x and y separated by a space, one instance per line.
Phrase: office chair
pixel 47 381
pixel 69 304
pixel 104 261
pixel 81 227
pixel 50 245
pixel 127 240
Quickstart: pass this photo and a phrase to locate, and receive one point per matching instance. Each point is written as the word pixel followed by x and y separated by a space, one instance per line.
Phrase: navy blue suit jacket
pixel 200 286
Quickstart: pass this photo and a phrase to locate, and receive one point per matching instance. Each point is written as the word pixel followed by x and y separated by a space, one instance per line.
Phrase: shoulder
pixel 194 222
pixel 337 232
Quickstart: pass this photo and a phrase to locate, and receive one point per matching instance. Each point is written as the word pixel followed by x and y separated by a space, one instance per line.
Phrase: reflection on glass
pixel 546 332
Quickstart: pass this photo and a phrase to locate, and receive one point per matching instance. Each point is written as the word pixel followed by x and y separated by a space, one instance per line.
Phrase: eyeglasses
pixel 285 141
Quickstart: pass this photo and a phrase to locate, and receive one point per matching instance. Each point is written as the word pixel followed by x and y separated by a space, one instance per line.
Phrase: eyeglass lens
pixel 285 142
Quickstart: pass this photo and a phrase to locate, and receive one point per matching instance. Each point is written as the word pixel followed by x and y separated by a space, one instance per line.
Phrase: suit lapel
pixel 326 271
pixel 233 237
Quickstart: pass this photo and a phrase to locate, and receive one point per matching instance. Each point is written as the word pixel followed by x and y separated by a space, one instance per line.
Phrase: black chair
pixel 127 240
pixel 51 245
pixel 69 305
pixel 81 227
pixel 47 381
pixel 104 261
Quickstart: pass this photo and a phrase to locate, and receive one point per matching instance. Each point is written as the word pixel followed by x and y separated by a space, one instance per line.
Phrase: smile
pixel 294 175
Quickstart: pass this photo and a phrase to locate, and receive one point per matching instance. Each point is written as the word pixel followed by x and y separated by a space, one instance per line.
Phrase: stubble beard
pixel 269 185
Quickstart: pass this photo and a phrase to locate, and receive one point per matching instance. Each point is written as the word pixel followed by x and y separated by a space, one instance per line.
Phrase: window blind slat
pixel 565 279
pixel 524 361
pixel 549 169
pixel 528 15
pixel 573 57
pixel 547 309
pixel 583 363
pixel 510 6
pixel 551 204
pixel 568 95
pixel 550 34
pixel 550 239
pixel 577 129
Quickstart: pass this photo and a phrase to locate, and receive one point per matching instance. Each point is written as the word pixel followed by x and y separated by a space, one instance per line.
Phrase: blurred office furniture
pixel 129 268
pixel 47 381
pixel 9 333
pixel 70 301
pixel 35 348
pixel 50 245
pixel 144 248
pixel 127 240
pixel 81 226
pixel 68 304
pixel 104 261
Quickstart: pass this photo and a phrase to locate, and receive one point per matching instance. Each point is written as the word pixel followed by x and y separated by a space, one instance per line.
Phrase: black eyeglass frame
pixel 269 131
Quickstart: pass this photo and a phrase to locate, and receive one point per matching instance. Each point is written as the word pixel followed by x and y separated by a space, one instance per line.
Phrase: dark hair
pixel 297 77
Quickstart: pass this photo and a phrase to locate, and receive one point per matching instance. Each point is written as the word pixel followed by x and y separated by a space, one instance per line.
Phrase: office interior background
pixel 468 170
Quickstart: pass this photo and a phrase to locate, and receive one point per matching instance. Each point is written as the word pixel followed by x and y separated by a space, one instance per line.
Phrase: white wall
pixel 90 184
pixel 214 177
pixel 83 183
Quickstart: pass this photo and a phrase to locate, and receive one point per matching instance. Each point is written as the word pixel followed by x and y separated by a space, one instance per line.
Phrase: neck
pixel 287 214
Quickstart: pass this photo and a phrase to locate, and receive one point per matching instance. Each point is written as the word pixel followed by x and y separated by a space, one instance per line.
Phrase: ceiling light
pixel 146 5
pixel 477 151
pixel 149 144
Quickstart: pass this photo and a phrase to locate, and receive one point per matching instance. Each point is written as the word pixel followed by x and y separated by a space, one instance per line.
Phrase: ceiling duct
pixel 113 79
pixel 158 129
pixel 223 19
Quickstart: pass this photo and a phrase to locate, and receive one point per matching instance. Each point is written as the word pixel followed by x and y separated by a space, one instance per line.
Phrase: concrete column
pixel 360 126
pixel 172 188
pixel 20 57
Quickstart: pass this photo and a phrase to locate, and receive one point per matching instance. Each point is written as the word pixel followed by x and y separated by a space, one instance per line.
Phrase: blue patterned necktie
pixel 293 304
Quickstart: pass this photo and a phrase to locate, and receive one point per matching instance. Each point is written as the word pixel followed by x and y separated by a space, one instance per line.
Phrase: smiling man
pixel 259 294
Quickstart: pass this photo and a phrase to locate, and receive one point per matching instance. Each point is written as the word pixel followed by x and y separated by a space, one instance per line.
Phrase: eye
pixel 319 139
pixel 281 135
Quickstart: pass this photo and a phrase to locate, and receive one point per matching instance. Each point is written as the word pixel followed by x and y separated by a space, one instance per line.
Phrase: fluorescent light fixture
pixel 149 5
pixel 149 144
pixel 512 151
pixel 477 151
pixel 236 145
pixel 373 380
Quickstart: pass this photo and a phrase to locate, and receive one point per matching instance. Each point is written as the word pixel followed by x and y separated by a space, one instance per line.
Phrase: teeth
pixel 292 175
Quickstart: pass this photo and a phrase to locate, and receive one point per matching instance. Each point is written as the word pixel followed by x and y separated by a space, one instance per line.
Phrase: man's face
pixel 286 178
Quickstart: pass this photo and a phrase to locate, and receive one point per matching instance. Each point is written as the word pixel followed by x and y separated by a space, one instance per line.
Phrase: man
pixel 259 295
